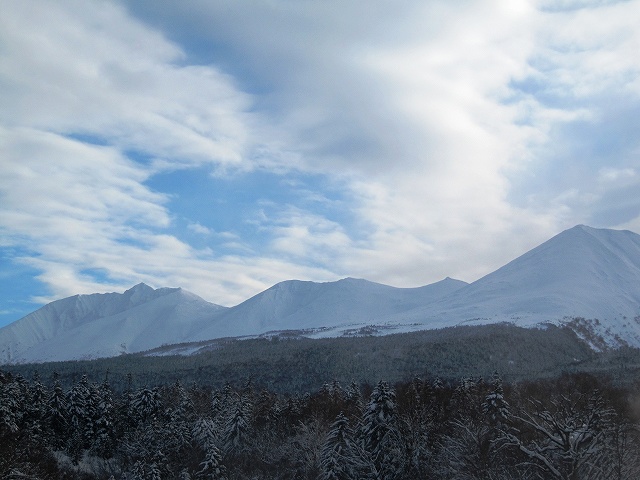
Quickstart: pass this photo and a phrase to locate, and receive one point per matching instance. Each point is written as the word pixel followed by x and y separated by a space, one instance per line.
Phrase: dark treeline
pixel 303 365
pixel 576 426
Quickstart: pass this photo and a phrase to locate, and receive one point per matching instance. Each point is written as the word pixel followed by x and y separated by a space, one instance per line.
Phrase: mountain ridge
pixel 101 317
pixel 314 305
pixel 582 272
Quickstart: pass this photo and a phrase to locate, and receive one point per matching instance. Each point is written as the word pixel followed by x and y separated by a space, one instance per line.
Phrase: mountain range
pixel 584 277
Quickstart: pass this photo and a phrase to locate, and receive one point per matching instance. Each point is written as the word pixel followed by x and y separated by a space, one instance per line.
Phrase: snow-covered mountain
pixel 347 303
pixel 581 272
pixel 104 325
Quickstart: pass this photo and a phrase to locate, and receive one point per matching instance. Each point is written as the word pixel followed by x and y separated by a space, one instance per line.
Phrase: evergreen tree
pixel 10 407
pixel 182 410
pixel 217 407
pixel 57 416
pixel 237 427
pixel 264 413
pixel 379 432
pixel 75 447
pixel 178 422
pixel 341 458
pixel 137 472
pixel 145 405
pixel 103 443
pixel 495 407
pixel 379 417
pixel 354 397
pixel 212 467
pixel 80 416
pixel 37 406
pixel 93 403
pixel 153 472
pixel 204 431
pixel 124 413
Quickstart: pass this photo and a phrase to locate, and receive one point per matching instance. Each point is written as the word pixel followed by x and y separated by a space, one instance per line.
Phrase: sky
pixel 225 146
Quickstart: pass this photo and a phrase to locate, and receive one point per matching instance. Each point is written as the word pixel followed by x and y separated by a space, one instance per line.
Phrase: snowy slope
pixel 581 272
pixel 296 305
pixel 101 325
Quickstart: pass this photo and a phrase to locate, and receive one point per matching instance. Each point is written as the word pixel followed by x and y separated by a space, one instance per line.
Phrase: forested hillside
pixel 301 365
pixel 574 427
pixel 421 405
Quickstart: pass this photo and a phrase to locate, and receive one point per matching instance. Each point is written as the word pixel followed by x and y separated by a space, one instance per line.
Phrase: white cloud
pixel 199 229
pixel 71 71
pixel 299 234
pixel 451 127
pixel 75 207
pixel 608 174
pixel 90 70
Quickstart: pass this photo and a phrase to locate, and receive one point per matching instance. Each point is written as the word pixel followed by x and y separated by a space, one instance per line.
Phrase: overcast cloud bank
pixel 398 143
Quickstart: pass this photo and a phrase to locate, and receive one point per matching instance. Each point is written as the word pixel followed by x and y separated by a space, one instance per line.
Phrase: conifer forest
pixel 575 426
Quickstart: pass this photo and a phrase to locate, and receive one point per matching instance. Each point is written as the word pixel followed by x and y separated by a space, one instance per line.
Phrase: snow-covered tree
pixel 153 472
pixel 565 438
pixel 81 412
pixel 11 409
pixel 264 411
pixel 145 404
pixel 78 404
pixel 237 427
pixel 353 397
pixel 37 405
pixel 138 471
pixel 103 443
pixel 621 457
pixel 495 408
pixel 467 450
pixel 212 467
pixel 380 438
pixel 469 447
pixel 342 458
pixel 57 416
pixel 183 409
pixel 204 431
pixel 379 416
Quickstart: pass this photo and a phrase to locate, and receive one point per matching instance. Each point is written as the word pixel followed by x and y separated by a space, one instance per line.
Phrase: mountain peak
pixel 596 231
pixel 585 272
pixel 140 287
pixel 107 324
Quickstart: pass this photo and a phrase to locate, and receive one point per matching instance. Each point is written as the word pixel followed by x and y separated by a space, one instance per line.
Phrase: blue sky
pixel 226 146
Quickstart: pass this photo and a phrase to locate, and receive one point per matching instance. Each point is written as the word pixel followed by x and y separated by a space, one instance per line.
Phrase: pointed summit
pixel 140 287
pixel 139 293
pixel 581 272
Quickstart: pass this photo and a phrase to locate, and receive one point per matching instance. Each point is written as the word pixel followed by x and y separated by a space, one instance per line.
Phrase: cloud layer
pixel 400 143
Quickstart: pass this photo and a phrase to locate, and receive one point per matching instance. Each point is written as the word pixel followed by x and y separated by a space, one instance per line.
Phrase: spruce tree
pixel 237 427
pixel 80 418
pixel 379 432
pixel 145 405
pixel 212 467
pixel 103 443
pixel 495 407
pixel 341 457
pixel 57 416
